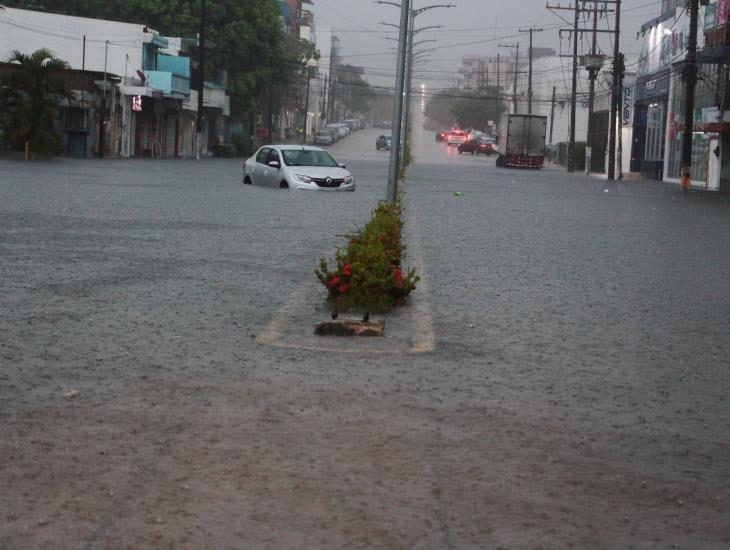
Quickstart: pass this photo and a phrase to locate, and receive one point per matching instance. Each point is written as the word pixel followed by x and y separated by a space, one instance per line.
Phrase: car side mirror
pixel 274 164
pixel 343 166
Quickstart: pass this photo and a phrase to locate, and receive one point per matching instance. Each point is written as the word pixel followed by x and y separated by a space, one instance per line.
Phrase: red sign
pixel 721 12
pixel 136 102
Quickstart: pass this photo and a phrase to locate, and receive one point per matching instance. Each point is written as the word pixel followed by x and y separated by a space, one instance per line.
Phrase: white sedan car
pixel 297 167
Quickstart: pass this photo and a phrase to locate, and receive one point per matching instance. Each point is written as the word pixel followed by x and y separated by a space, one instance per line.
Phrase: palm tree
pixel 29 102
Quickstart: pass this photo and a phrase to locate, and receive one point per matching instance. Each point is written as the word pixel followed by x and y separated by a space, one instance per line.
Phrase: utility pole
pixel 515 45
pixel 617 82
pixel 405 97
pixel 619 119
pixel 398 102
pixel 529 77
pixel 102 145
pixel 573 90
pixel 552 116
pixel 306 105
pixel 592 73
pixel 574 32
pixel 690 78
pixel 201 76
pixel 499 69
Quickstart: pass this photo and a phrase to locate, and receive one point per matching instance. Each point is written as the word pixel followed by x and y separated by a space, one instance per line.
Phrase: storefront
pixel 650 122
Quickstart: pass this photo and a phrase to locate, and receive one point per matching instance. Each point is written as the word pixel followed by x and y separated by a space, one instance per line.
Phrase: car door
pixel 261 167
pixel 274 176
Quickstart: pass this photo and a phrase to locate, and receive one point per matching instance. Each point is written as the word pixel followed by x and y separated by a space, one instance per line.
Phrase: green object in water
pixel 458 194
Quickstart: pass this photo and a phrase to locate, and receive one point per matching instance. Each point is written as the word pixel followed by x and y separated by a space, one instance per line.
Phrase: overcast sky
pixel 472 27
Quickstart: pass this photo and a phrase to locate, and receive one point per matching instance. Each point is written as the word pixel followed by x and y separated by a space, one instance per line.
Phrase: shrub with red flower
pixel 367 273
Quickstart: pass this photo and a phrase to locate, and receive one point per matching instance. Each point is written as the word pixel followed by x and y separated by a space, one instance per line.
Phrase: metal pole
pixel 614 96
pixel 690 75
pixel 573 91
pixel 407 101
pixel 398 103
pixel 201 75
pixel 529 79
pixel 83 55
pixel 306 106
pixel 517 64
pixel 552 116
pixel 620 120
pixel 592 72
pixel 102 145
pixel 499 69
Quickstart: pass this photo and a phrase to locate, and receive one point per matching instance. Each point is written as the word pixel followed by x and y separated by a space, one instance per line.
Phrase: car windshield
pixel 308 157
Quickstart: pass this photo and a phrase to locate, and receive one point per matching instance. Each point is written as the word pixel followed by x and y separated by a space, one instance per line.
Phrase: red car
pixel 476 147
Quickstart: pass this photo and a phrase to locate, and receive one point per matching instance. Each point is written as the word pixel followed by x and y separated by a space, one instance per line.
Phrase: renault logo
pixel 329 181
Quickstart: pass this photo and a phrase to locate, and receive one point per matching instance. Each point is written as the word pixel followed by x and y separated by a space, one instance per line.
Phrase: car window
pixel 274 155
pixel 308 157
pixel 263 156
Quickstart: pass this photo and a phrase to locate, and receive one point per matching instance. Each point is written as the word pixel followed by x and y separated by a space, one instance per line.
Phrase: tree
pixel 438 108
pixel 476 109
pixel 29 103
pixel 353 90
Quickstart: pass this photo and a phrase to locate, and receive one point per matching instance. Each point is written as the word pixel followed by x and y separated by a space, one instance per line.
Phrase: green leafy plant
pixel 30 102
pixel 367 273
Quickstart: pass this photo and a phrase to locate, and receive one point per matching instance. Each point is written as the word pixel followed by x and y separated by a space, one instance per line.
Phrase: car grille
pixel 322 182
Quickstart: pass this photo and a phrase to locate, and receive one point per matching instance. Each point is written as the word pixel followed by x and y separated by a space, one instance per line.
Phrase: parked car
pixel 297 167
pixel 336 130
pixel 383 142
pixel 456 137
pixel 323 137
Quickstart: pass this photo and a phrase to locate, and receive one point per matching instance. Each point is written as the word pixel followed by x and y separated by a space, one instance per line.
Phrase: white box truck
pixel 521 141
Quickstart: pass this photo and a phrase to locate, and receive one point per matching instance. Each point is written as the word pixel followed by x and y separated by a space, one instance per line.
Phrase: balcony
pixel 717 44
pixel 171 85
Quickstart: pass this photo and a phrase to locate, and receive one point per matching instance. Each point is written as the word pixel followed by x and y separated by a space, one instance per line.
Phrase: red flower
pixel 333 282
pixel 398 277
pixel 343 288
pixel 347 270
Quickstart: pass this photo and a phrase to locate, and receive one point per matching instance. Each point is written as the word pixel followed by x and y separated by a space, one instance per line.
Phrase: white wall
pixel 27 31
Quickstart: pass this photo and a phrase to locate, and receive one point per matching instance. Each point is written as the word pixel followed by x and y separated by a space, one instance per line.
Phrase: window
pixel 308 157
pixel 263 156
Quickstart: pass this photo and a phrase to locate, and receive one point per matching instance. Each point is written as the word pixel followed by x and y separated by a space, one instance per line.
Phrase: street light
pixel 413 13
pixel 308 64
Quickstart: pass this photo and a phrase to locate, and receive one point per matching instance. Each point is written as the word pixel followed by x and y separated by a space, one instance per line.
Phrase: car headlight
pixel 303 178
pixel 348 179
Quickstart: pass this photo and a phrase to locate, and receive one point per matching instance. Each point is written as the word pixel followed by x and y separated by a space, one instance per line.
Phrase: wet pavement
pixel 560 378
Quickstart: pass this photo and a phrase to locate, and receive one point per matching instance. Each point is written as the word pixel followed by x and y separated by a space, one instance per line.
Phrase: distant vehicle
pixel 385 124
pixel 488 142
pixel 383 142
pixel 456 137
pixel 296 167
pixel 522 141
pixel 323 137
pixel 441 136
pixel 475 147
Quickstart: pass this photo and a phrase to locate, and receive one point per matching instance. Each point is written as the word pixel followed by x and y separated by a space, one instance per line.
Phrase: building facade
pixel 141 104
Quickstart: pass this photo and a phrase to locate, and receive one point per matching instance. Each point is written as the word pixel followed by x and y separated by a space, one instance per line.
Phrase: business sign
pixel 628 107
pixel 136 102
